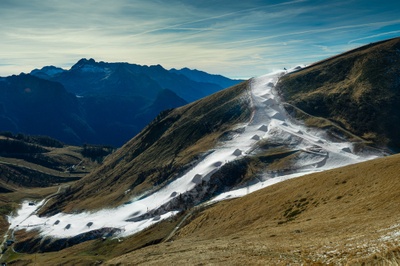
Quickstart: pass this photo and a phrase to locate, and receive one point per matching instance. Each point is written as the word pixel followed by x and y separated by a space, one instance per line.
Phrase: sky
pixel 238 39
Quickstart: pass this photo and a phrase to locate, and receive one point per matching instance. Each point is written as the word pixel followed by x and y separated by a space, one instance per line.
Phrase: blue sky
pixel 239 39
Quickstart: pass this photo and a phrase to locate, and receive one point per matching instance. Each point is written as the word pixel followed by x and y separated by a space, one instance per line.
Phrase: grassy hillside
pixel 358 90
pixel 347 215
pixel 164 149
pixel 344 216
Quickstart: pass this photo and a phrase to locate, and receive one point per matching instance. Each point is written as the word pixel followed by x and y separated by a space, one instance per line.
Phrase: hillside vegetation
pixel 359 90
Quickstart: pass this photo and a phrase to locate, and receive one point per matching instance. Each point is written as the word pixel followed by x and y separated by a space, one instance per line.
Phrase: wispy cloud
pixel 395 32
pixel 234 38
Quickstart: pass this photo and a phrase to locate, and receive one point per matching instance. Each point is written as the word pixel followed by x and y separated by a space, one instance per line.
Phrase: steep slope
pixel 345 216
pixel 359 90
pixel 166 147
pixel 116 119
pixel 165 100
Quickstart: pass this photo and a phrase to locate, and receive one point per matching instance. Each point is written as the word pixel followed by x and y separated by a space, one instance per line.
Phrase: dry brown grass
pixel 337 216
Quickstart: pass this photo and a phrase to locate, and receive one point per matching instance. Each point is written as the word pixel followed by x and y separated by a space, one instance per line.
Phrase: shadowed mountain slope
pixel 41 107
pixel 359 90
pixel 88 77
pixel 114 101
pixel 36 106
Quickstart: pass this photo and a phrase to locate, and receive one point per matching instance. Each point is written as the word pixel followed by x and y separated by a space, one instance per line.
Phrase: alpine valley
pixel 295 167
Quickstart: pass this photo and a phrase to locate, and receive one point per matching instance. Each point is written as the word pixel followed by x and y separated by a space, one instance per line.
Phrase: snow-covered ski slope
pixel 270 123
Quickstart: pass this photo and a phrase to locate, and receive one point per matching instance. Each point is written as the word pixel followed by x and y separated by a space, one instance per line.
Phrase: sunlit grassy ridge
pixel 359 90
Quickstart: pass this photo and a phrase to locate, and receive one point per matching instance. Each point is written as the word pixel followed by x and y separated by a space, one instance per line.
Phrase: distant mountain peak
pixel 86 61
pixel 88 65
pixel 83 62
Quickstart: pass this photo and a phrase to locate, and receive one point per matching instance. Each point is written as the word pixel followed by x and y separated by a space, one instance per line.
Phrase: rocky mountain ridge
pixel 94 102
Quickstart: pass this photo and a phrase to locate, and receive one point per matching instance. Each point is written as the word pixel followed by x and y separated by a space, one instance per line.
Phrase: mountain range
pixel 293 167
pixel 98 102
